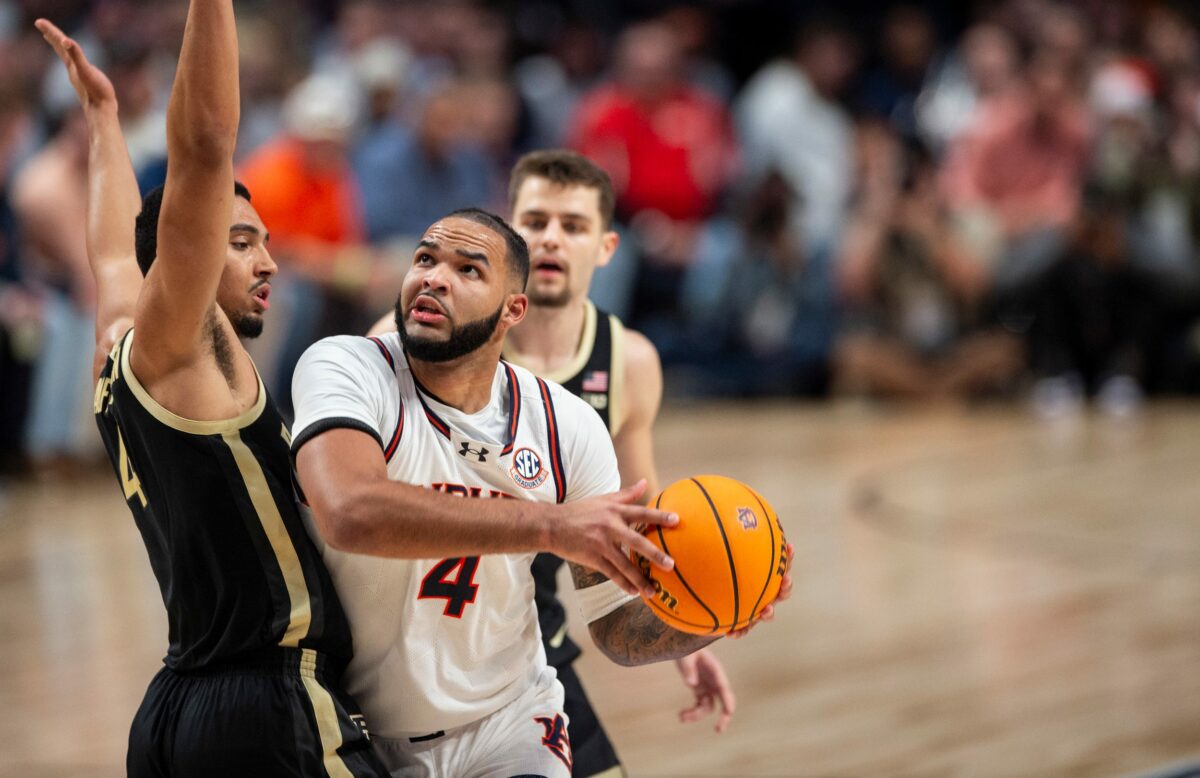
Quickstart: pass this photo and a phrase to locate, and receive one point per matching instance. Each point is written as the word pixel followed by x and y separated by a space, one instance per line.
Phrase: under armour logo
pixel 480 454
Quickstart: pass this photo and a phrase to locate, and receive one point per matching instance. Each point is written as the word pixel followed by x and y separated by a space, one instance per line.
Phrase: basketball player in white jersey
pixel 449 666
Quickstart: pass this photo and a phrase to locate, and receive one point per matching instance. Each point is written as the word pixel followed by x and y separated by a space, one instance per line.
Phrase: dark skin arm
pixel 632 634
pixel 357 508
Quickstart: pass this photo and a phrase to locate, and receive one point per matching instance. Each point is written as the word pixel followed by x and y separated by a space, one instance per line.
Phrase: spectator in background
pixel 1013 179
pixel 19 309
pixel 1094 316
pixel 762 316
pixel 1149 163
pixel 984 66
pixel 304 187
pixel 792 125
pixel 143 112
pixel 912 296
pixel 669 149
pixel 552 83
pixel 411 177
pixel 909 45
pixel 50 199
pixel 693 26
pixel 267 65
pixel 381 68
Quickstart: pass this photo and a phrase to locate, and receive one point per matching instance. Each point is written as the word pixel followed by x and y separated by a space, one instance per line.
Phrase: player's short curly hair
pixel 146 227
pixel 565 168
pixel 517 251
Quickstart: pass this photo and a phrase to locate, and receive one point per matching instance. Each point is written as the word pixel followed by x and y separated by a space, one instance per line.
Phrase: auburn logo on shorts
pixel 555 737
pixel 527 469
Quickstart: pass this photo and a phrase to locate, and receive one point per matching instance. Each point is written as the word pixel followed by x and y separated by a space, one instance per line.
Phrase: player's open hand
pixel 596 533
pixel 768 613
pixel 704 675
pixel 91 85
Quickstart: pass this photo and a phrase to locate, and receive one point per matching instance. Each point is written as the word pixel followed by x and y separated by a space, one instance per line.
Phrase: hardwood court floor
pixel 977 593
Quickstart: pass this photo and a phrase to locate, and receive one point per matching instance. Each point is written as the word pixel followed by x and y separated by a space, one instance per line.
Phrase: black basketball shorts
pixel 281 715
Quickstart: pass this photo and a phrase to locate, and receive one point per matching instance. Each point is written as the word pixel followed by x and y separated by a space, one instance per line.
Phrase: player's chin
pixel 550 295
pixel 431 331
pixel 249 325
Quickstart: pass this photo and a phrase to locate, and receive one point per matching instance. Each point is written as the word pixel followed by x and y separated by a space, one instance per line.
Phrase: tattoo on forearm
pixel 586 576
pixel 632 634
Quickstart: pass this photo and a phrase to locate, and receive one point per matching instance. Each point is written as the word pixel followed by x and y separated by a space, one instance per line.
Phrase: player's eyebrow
pixel 537 212
pixel 249 229
pixel 474 255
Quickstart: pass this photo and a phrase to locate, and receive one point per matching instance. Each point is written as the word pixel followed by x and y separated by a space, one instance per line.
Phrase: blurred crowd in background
pixel 892 200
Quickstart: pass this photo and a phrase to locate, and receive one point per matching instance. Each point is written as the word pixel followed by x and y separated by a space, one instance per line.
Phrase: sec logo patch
pixel 527 470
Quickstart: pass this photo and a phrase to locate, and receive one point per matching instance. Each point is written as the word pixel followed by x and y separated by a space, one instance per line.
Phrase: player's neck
pixel 548 338
pixel 465 383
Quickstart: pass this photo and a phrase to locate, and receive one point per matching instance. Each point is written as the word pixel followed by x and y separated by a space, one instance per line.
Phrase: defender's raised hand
pixel 91 85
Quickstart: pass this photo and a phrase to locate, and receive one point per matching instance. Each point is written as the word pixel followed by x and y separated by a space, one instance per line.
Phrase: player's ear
pixel 609 242
pixel 515 307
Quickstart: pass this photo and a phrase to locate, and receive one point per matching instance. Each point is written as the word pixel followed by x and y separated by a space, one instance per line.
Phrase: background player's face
pixel 566 236
pixel 458 294
pixel 245 283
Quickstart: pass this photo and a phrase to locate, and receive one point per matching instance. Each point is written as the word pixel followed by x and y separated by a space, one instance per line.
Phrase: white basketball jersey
pixel 440 643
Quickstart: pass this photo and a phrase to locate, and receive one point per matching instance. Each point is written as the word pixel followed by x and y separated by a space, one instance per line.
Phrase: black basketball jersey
pixel 214 503
pixel 593 375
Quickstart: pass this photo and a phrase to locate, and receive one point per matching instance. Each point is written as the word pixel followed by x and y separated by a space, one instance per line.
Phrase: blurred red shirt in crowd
pixel 667 145
pixel 1025 155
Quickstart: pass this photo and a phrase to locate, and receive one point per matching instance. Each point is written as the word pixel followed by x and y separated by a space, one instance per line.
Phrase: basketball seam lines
pixel 682 580
pixel 728 550
pixel 771 569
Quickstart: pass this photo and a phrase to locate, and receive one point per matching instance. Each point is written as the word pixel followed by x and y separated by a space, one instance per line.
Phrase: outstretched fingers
pixel 57 39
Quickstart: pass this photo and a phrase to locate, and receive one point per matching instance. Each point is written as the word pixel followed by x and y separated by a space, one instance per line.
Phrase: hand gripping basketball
pixel 599 533
pixel 732 558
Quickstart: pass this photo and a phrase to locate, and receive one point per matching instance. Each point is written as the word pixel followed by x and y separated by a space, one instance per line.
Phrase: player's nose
pixel 436 277
pixel 266 266
pixel 552 235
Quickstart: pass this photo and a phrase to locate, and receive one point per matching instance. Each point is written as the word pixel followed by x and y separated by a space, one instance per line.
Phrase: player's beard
pixel 462 340
pixel 557 299
pixel 247 325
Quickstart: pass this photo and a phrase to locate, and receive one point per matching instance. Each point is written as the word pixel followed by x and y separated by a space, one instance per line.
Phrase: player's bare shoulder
pixel 641 381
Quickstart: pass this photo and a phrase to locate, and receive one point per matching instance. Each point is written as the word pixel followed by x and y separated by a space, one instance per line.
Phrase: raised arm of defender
pixel 202 120
pixel 113 200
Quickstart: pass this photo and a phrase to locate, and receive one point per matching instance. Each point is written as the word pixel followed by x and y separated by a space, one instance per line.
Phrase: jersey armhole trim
pixel 557 471
pixel 332 423
pixel 390 450
pixel 616 392
pixel 179 423
pixel 587 341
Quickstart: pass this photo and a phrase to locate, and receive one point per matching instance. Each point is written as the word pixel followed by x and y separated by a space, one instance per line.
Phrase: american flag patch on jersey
pixel 596 381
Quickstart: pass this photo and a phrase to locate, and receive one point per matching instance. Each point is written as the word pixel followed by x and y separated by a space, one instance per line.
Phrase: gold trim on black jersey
pixel 326 716
pixel 189 426
pixel 616 389
pixel 300 617
pixel 583 351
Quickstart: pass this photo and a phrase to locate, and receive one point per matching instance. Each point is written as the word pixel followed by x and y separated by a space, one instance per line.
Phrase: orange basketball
pixel 729 552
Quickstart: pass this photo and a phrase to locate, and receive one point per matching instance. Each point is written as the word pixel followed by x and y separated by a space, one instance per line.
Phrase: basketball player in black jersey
pixel 257 637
